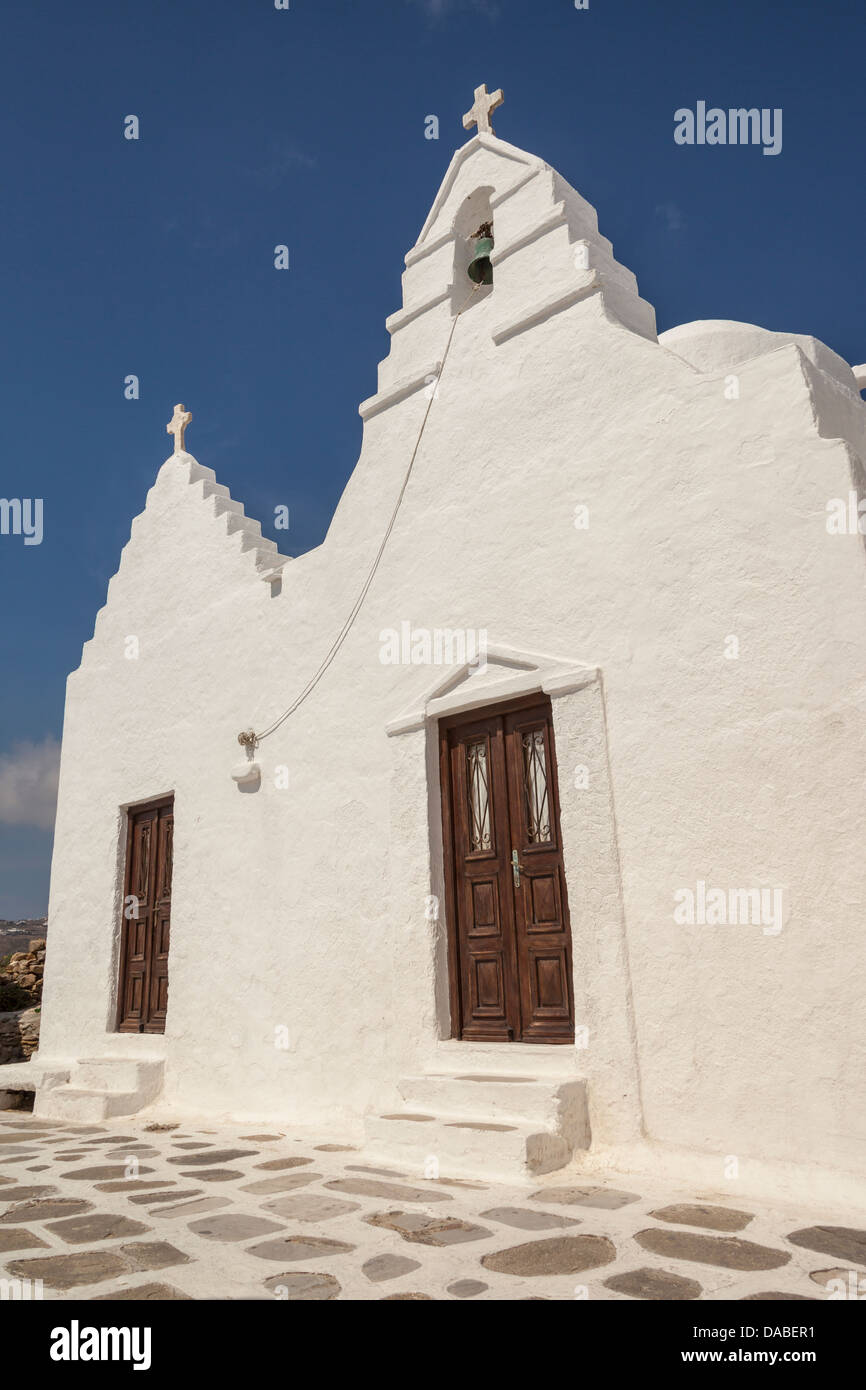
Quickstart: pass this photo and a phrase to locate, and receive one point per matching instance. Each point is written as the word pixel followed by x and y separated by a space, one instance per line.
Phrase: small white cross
pixel 177 425
pixel 482 108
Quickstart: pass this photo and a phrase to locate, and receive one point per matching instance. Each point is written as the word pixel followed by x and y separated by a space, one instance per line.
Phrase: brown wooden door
pixel 146 920
pixel 510 938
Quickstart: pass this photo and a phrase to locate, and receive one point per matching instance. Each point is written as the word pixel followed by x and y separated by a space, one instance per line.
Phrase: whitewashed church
pixel 519 824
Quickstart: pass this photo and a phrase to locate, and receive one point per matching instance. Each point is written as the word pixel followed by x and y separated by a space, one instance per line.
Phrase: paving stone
pixel 275 1165
pixel 114 1171
pixel 842 1242
pixel 23 1194
pixel 145 1293
pixel 726 1252
pixel 69 1271
pixel 311 1206
pixel 157 1254
pixel 212 1156
pixel 191 1144
pixel 113 1139
pixel 777 1297
pixel 38 1167
pixel 193 1208
pixel 557 1255
pixel 213 1174
pixel 374 1172
pixel 605 1198
pixel 261 1138
pixel 19 1136
pixel 19 1238
pixel 160 1129
pixel 44 1209
pixel 655 1284
pixel 461 1182
pixel 286 1184
pixel 713 1218
pixel 827 1276
pixel 143 1199
pixel 303 1287
pixel 81 1230
pixel 133 1185
pixel 527 1219
pixel 336 1148
pixel 419 1228
pixel 479 1125
pixel 391 1191
pixel 234 1226
pixel 298 1248
pixel 132 1151
pixel 384 1267
pixel 407 1298
pixel 467 1288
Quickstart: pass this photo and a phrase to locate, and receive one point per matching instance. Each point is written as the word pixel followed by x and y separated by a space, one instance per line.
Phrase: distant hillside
pixel 16 936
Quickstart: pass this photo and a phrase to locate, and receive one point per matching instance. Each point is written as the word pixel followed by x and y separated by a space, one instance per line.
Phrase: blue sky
pixel 305 127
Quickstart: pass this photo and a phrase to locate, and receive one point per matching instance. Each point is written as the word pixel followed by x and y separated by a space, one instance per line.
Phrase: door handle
pixel 516 866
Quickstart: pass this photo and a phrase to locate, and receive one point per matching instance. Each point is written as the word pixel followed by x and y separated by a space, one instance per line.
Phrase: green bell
pixel 480 269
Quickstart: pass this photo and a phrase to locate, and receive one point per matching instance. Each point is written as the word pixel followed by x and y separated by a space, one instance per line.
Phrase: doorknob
pixel 516 866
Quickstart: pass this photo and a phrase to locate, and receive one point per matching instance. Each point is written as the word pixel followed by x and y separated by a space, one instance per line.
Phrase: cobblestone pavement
pixel 132 1209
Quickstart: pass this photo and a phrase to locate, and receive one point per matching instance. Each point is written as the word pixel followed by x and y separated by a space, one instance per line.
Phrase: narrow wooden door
pixel 509 932
pixel 146 920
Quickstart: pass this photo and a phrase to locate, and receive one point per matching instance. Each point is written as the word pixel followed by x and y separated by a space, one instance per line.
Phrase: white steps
pixel 16 1077
pixel 479 1124
pixel 99 1088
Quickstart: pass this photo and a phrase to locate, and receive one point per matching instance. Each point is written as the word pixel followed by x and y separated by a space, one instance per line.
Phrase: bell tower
pixel 509 242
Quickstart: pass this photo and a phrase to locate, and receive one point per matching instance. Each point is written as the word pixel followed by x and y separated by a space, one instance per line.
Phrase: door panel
pixel 477 767
pixel 540 901
pixel 510 936
pixel 145 929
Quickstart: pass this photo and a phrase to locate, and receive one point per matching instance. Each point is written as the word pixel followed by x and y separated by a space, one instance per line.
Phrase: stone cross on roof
pixel 483 106
pixel 177 425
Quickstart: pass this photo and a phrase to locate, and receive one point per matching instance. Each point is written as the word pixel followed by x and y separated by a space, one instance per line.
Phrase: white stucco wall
pixel 304 907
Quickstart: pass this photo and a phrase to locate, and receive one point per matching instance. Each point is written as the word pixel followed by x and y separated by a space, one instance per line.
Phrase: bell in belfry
pixel 480 267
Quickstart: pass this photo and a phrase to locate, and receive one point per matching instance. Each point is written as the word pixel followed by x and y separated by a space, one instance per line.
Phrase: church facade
pixel 543 839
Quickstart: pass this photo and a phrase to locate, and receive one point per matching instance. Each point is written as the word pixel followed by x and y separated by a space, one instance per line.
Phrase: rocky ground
pixel 20 1001
pixel 138 1210
pixel 16 934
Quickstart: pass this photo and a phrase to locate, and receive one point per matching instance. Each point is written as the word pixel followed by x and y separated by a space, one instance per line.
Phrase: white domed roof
pixel 714 345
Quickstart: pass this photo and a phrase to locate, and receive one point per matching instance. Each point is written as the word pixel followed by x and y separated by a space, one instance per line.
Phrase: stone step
pixel 29 1076
pixel 463 1147
pixel 116 1074
pixel 558 1104
pixel 70 1103
pixel 16 1077
pixel 100 1087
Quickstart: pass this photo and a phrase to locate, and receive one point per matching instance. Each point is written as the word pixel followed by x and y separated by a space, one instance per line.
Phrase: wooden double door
pixel 146 919
pixel 509 932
